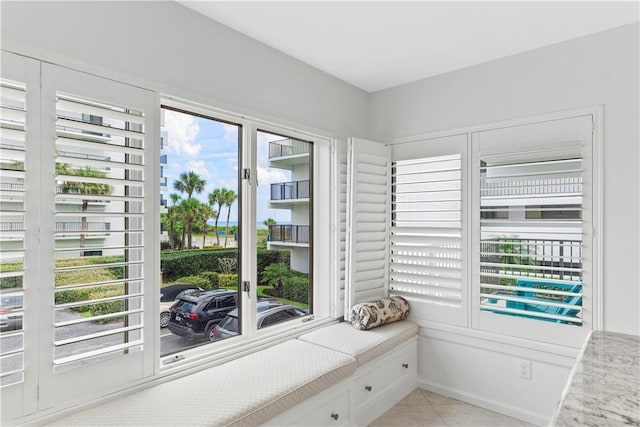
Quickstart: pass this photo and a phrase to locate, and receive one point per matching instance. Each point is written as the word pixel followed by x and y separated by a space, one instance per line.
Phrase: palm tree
pixel 228 198
pixel 189 182
pixel 189 210
pixel 204 213
pixel 171 216
pixel 84 188
pixel 215 198
pixel 269 221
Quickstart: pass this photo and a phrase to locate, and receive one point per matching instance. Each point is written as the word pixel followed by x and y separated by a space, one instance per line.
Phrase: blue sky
pixel 210 149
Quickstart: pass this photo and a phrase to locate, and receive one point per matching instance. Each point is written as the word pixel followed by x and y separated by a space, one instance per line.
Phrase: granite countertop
pixel 604 387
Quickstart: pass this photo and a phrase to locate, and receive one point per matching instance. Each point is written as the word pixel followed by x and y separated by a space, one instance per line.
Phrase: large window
pixel 132 248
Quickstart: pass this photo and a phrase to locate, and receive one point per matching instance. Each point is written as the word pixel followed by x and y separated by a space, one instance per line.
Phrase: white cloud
pixel 199 167
pixel 182 130
pixel 230 132
pixel 270 176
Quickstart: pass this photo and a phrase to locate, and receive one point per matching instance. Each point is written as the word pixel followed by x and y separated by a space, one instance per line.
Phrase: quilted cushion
pixel 384 310
pixel 363 345
pixel 247 391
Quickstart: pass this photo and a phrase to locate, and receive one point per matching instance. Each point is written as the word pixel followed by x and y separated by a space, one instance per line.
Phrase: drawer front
pixel 384 373
pixel 335 411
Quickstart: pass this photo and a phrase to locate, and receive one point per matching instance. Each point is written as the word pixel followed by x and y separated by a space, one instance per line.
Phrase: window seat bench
pixel 297 382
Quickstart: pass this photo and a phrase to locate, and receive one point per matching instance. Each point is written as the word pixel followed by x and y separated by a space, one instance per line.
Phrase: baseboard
pixel 485 403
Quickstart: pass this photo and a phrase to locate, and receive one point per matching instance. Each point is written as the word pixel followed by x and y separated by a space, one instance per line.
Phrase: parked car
pixel 169 295
pixel 269 313
pixel 198 313
pixel 10 313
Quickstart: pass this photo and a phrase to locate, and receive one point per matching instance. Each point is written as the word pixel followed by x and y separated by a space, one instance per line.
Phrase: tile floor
pixel 423 408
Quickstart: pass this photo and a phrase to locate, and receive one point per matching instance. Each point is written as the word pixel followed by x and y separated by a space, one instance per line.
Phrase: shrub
pixel 228 280
pixel 194 280
pixel 11 282
pixel 227 265
pixel 178 263
pixel 296 288
pixel 213 278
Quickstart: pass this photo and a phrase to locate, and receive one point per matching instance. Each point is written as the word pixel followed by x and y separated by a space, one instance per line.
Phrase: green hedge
pixel 212 278
pixel 203 282
pixel 296 288
pixel 229 280
pixel 175 264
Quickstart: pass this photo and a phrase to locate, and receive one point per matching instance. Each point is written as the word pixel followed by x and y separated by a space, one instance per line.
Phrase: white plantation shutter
pixel 12 230
pixel 367 222
pixel 98 192
pixel 428 244
pixel 99 226
pixel 533 205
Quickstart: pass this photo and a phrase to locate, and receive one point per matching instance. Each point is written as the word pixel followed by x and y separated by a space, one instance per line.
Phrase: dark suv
pixel 197 314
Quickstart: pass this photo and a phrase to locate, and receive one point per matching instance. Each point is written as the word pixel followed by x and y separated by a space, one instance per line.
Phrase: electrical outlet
pixel 524 369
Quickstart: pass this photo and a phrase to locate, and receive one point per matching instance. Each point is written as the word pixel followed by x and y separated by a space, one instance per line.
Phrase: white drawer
pixel 381 374
pixel 335 411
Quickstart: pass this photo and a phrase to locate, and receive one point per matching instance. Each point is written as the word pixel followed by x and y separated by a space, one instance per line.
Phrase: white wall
pixel 165 46
pixel 596 69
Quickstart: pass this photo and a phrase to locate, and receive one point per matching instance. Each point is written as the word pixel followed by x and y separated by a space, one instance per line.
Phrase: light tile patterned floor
pixel 423 408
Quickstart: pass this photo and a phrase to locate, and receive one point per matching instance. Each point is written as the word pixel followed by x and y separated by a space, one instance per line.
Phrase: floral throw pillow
pixel 385 310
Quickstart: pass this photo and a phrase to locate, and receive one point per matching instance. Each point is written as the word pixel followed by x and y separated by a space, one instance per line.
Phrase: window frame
pixel 597 306
pixel 252 338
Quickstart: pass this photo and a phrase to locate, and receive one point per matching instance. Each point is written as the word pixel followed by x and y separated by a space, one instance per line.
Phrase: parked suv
pixel 197 314
pixel 269 313
pixel 169 295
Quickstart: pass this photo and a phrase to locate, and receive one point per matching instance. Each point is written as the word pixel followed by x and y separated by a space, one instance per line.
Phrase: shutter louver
pixel 368 218
pixel 98 230
pixel 12 230
pixel 426 233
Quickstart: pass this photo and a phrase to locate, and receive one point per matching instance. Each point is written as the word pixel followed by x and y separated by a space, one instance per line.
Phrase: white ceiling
pixel 375 45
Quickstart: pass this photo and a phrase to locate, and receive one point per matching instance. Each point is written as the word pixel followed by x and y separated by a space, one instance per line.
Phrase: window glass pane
pixel 200 231
pixel 531 236
pixel 284 206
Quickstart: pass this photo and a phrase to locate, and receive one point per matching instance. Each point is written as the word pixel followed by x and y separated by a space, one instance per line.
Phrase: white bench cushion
pixel 246 391
pixel 363 345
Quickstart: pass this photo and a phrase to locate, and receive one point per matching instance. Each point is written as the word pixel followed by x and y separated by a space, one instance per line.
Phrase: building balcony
pixel 289 235
pixel 287 153
pixel 285 195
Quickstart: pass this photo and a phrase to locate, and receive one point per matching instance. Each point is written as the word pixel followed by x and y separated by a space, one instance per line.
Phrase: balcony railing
pixel 530 186
pixel 62 227
pixel 12 186
pixel 288 147
pixel 554 259
pixel 289 233
pixel 290 190
pixel 12 226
